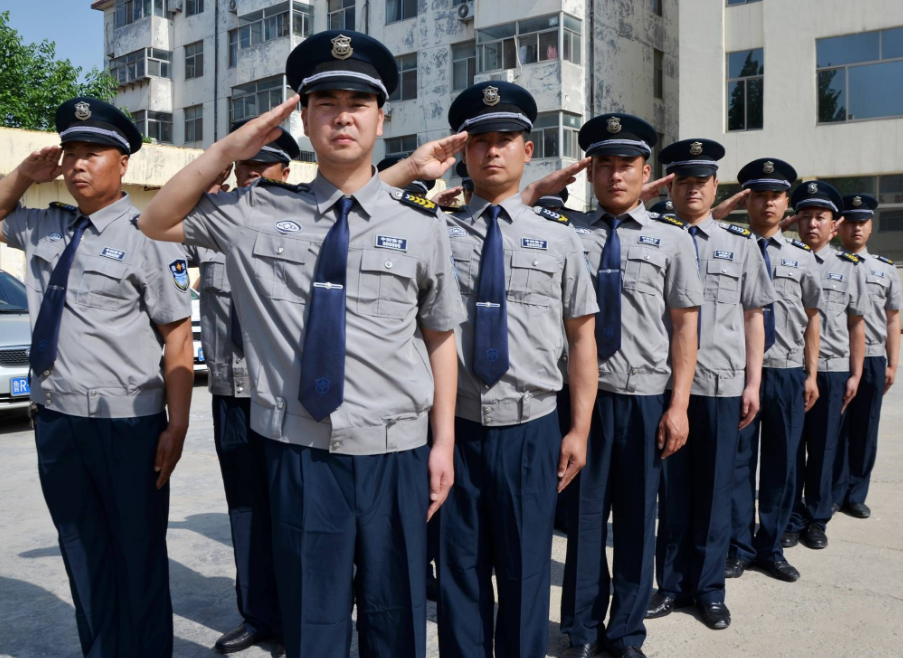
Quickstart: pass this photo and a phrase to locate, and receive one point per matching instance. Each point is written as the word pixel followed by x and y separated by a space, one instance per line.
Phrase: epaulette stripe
pixel 551 215
pixel 885 259
pixel 801 245
pixel 416 202
pixel 853 258
pixel 669 220
pixel 63 206
pixel 738 230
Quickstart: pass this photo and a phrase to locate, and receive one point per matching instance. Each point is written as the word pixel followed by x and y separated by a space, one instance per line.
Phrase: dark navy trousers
pixel 815 456
pixel 780 418
pixel 243 464
pixel 499 515
pixel 694 517
pixel 857 448
pixel 98 479
pixel 620 477
pixel 332 513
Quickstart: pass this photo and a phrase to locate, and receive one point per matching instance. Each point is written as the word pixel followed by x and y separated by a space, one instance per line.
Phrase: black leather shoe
pixel 626 652
pixel 859 510
pixel 238 639
pixel 790 539
pixel 582 651
pixel 663 605
pixel 814 537
pixel 780 569
pixel 715 615
pixel 734 568
pixel 834 508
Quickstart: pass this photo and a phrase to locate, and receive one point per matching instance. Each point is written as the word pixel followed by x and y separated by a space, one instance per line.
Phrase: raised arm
pixel 40 167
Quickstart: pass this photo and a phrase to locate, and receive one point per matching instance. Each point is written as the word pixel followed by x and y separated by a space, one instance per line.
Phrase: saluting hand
pixel 571 459
pixel 730 204
pixel 442 475
pixel 219 184
pixel 42 166
pixel 169 452
pixel 433 159
pixel 247 141
pixel 673 430
pixel 650 189
pixel 553 183
pixel 447 196
pixel 789 222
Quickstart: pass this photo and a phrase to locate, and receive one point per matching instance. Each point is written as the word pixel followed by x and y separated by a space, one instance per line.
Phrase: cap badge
pixel 82 111
pixel 614 125
pixel 341 47
pixel 695 148
pixel 857 201
pixel 491 96
pixel 768 167
pixel 669 205
pixel 813 188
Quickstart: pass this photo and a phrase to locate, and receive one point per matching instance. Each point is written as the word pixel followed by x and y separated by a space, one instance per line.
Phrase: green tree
pixel 33 83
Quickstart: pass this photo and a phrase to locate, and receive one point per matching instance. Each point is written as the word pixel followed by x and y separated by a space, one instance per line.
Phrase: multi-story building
pixel 818 83
pixel 188 68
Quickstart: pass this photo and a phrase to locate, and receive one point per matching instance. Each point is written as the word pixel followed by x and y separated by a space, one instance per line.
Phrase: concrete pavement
pixel 849 601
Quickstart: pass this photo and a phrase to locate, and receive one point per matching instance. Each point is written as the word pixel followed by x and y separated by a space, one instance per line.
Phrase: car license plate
pixel 200 354
pixel 18 386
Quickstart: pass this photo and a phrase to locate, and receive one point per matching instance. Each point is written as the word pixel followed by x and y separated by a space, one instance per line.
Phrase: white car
pixel 15 344
pixel 200 363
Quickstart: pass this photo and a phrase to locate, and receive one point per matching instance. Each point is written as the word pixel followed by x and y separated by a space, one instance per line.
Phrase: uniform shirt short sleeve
pixel 683 288
pixel 439 305
pixel 192 255
pixel 18 225
pixel 578 296
pixel 810 287
pixel 757 289
pixel 218 219
pixel 166 301
pixel 859 295
pixel 894 296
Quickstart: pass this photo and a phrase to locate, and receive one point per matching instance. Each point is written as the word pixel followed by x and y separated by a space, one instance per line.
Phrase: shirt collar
pixel 706 226
pixel 823 252
pixel 327 194
pixel 109 214
pixel 638 213
pixel 512 206
pixel 776 239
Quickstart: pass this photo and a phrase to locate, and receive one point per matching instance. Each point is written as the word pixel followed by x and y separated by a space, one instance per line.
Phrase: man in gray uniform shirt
pixel 104 301
pixel 347 289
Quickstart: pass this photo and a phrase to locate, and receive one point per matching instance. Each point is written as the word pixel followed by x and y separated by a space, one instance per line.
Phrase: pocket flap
pixel 877 280
pixel 47 250
pixel 280 247
pixel 534 261
pixel 784 272
pixel 723 268
pixel 388 262
pixel 653 256
pixel 115 269
pixel 837 286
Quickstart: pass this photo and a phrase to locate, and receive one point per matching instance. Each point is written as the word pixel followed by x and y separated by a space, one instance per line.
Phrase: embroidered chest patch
pixel 53 237
pixel 456 231
pixel 724 255
pixel 645 239
pixel 531 243
pixel 790 263
pixel 834 276
pixel 287 227
pixel 113 254
pixel 878 273
pixel 389 242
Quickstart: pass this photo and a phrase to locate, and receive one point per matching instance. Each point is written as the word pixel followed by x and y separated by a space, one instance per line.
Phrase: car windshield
pixel 12 295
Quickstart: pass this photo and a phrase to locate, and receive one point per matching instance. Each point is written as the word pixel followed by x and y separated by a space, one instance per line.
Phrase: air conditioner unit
pixel 233 6
pixel 175 6
pixel 466 11
pixel 507 75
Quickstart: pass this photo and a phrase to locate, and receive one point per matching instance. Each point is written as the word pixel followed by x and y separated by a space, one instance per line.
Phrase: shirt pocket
pixel 722 282
pixel 213 278
pixel 466 265
pixel 283 267
pixel 877 288
pixel 101 284
pixel 787 282
pixel 388 285
pixel 532 278
pixel 834 295
pixel 45 255
pixel 645 270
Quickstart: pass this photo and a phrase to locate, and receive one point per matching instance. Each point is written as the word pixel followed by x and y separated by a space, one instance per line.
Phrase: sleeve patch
pixel 63 206
pixel 801 245
pixel 551 215
pixel 853 258
pixel 739 230
pixel 667 219
pixel 179 270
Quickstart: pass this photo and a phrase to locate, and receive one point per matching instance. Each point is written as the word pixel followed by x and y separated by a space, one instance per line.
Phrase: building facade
pixel 188 68
pixel 818 83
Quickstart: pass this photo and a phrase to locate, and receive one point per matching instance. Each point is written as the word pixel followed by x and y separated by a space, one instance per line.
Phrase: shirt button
pixel 486 410
pixel 634 371
pixel 646 256
pixel 280 250
pixel 388 265
pixel 723 270
pixel 488 419
pixel 834 286
pixel 535 263
pixel 280 404
pixel 93 393
pixel 240 389
pixel 46 373
pixel 336 445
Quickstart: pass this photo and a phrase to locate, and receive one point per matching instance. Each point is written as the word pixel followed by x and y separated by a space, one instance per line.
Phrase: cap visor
pixel 344 84
pixel 695 171
pixel 768 187
pixel 93 138
pixel 618 150
pixel 855 217
pixel 267 158
pixel 497 127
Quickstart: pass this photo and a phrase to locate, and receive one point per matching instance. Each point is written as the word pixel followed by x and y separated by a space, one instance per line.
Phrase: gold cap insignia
pixel 614 125
pixel 857 201
pixel 695 148
pixel 341 47
pixel 768 167
pixel 82 111
pixel 491 96
pixel 669 205
pixel 813 188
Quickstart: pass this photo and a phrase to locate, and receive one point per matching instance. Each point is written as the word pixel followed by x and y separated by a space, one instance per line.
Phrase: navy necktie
pixel 768 310
pixel 235 329
pixel 323 361
pixel 490 331
pixel 46 335
pixel 693 231
pixel 608 292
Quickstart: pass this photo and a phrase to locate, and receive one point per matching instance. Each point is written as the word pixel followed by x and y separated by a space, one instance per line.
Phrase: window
pixel 130 11
pixel 193 7
pixel 464 64
pixel 657 7
pixel 658 65
pixel 554 135
pixel 303 19
pixel 156 125
pixel 269 24
pixel 407 78
pixel 745 89
pixel 399 10
pixel 308 156
pixel 341 15
pixel 194 60
pixel 256 98
pixel 889 216
pixel 860 76
pixel 404 145
pixel 657 169
pixel 530 41
pixel 233 48
pixel 194 124
pixel 141 64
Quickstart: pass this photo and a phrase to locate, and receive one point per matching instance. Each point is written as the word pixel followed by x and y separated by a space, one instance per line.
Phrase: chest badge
pixel 532 243
pixel 456 231
pixel 53 237
pixel 179 269
pixel 724 255
pixel 112 254
pixel 834 276
pixel 645 239
pixel 878 273
pixel 287 227
pixel 790 263
pixel 390 242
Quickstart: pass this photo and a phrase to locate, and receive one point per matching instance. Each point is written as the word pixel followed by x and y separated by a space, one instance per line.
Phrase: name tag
pixel 645 239
pixel 287 227
pixel 583 231
pixel 724 255
pixel 388 242
pixel 530 243
pixel 115 254
pixel 790 263
pixel 53 237
pixel 456 230
pixel 835 277
pixel 878 273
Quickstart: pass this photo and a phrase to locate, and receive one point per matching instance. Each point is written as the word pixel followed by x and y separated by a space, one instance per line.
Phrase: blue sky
pixel 72 24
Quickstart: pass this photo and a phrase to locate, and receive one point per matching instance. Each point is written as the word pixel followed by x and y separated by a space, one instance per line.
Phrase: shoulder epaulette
pixel 668 219
pixel 272 182
pixel 551 215
pixel 415 201
pixel 739 230
pixel 449 210
pixel 63 206
pixel 853 258
pixel 885 259
pixel 802 245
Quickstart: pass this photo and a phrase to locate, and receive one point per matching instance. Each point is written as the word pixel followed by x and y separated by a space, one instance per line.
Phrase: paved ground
pixel 848 603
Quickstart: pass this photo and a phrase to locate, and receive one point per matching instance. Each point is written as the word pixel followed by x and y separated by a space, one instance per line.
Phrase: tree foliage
pixel 33 83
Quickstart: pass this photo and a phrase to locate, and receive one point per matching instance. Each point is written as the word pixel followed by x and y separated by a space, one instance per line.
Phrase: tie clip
pixel 328 286
pixel 488 305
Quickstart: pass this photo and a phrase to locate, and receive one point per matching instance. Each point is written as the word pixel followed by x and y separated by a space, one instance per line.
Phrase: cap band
pixel 824 203
pixel 692 163
pixel 556 199
pixel 497 116
pixel 767 181
pixel 343 74
pixel 421 186
pixel 98 131
pixel 272 149
pixel 859 211
pixel 638 143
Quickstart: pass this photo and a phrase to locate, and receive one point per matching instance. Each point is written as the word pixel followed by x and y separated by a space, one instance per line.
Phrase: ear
pixel 304 120
pixel 647 172
pixel 528 150
pixel 285 172
pixel 715 179
pixel 379 123
pixel 123 165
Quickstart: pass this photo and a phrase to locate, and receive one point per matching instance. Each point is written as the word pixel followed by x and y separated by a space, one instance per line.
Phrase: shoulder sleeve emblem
pixel 846 255
pixel 415 201
pixel 551 215
pixel 63 206
pixel 739 230
pixel 885 259
pixel 668 219
pixel 801 245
